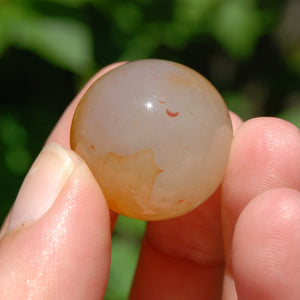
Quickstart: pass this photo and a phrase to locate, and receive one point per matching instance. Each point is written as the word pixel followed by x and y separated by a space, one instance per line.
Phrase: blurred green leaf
pixel 17 160
pixel 239 104
pixel 291 114
pixel 12 134
pixel 143 44
pixel 71 3
pixel 175 35
pixel 130 227
pixel 14 137
pixel 123 264
pixel 293 59
pixel 125 251
pixel 237 26
pixel 64 42
pixel 192 12
pixel 127 17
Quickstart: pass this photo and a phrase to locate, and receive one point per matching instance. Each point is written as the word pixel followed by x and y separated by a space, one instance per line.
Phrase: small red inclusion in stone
pixel 172 114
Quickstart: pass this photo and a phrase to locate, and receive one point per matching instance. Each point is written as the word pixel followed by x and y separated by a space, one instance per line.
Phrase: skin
pixel 243 242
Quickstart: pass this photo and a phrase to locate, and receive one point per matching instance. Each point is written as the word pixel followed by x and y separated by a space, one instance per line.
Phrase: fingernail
pixel 42 185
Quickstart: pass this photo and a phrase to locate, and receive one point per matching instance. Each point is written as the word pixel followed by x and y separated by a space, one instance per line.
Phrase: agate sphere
pixel 156 135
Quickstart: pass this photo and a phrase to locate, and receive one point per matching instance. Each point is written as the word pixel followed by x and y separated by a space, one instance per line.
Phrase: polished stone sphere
pixel 156 135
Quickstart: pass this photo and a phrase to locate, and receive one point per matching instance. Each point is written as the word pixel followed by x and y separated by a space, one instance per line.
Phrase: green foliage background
pixel 249 49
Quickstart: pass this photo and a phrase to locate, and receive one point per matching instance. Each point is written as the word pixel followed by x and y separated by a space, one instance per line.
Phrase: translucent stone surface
pixel 156 135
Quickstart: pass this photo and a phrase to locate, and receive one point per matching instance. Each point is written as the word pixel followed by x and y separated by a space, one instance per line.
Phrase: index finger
pixel 182 258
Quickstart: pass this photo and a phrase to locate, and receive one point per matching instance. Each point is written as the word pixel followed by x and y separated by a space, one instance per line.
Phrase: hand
pixel 244 240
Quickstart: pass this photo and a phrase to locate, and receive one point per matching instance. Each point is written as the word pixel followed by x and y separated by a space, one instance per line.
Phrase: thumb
pixel 56 242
